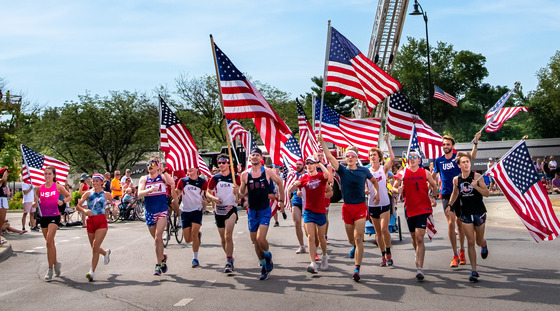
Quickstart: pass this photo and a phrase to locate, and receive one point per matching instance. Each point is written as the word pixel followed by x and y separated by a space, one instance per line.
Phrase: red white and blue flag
pixel 34 163
pixel 307 140
pixel 291 152
pixel 443 95
pixel 517 177
pixel 493 113
pixel 351 73
pixel 502 116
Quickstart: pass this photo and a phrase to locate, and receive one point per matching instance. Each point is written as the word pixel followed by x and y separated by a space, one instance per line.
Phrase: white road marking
pixel 29 251
pixel 75 238
pixel 39 247
pixel 183 302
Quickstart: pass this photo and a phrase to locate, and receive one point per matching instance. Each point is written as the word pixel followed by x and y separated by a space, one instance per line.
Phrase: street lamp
pixel 430 88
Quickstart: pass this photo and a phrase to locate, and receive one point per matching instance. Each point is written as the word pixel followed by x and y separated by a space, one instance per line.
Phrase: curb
pixel 6 251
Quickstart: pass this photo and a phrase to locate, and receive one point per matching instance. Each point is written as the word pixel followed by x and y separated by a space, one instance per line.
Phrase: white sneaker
pixel 89 275
pixel 301 250
pixel 164 237
pixel 57 267
pixel 106 258
pixel 325 262
pixel 48 276
pixel 312 268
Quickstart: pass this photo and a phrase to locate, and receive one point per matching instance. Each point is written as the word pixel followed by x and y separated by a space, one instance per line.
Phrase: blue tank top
pixel 156 202
pixel 258 190
pixel 96 202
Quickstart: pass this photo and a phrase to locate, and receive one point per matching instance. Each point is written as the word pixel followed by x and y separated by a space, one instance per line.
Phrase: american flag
pixel 492 114
pixel 291 152
pixel 34 163
pixel 242 101
pixel 177 143
pixel 400 119
pixel 345 132
pixel 441 94
pixel 516 175
pixel 307 140
pixel 502 116
pixel 430 227
pixel 235 130
pixel 351 73
pixel 413 143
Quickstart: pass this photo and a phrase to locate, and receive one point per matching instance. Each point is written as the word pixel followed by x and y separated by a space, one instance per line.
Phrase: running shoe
pixel 57 267
pixel 276 224
pixel 301 250
pixel 474 277
pixel 317 257
pixel 228 268
pixel 389 260
pixel 312 268
pixel 195 263
pixel 164 237
pixel 484 251
pixel 352 252
pixel 269 263
pixel 164 264
pixel 264 274
pixel 356 276
pixel 89 275
pixel 106 258
pixel 157 271
pixel 325 262
pixel 462 259
pixel 454 262
pixel 284 215
pixel 383 262
pixel 419 275
pixel 48 276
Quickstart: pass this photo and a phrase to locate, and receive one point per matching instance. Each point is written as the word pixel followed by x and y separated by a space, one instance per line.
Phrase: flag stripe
pixel 502 116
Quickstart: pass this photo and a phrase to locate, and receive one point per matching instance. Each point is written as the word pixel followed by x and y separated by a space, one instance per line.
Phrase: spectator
pixel 492 185
pixel 127 174
pixel 83 187
pixel 28 198
pixel 552 165
pixel 1 94
pixel 545 166
pixel 8 96
pixel 107 185
pixel 7 228
pixel 116 187
pixel 556 183
pixel 4 193
pixel 538 167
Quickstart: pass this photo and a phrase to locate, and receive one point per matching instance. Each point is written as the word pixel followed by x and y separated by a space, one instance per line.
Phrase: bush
pixel 75 197
pixel 15 203
pixel 18 195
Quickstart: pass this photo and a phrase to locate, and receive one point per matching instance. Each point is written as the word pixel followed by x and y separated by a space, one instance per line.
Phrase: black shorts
pixel 418 221
pixel 300 206
pixel 445 201
pixel 376 211
pixel 45 221
pixel 221 219
pixel 188 218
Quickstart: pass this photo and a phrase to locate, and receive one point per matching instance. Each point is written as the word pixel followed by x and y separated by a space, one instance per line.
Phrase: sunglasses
pixel 309 163
pixel 351 155
pixel 222 162
pixel 413 157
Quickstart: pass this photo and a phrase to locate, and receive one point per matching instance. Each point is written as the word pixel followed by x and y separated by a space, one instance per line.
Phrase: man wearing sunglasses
pixel 222 192
pixel 448 169
pixel 255 183
pixel 354 209
pixel 418 204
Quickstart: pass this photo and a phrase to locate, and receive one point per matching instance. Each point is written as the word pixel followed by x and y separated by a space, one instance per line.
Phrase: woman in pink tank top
pixel 50 216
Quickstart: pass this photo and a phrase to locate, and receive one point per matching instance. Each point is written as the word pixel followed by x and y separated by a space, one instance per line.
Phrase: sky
pixel 52 51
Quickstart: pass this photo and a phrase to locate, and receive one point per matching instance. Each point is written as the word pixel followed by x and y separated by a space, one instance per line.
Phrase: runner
pixel 315 215
pixel 222 192
pixel 469 188
pixel 192 188
pixel 50 216
pixel 96 200
pixel 380 213
pixel 448 169
pixel 418 204
pixel 153 188
pixel 297 208
pixel 354 210
pixel 255 183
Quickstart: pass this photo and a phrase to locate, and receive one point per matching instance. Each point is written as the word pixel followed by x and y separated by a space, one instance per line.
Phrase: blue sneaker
pixel 264 274
pixel 195 263
pixel 157 271
pixel 164 264
pixel 352 252
pixel 474 277
pixel 269 263
pixel 484 252
pixel 356 276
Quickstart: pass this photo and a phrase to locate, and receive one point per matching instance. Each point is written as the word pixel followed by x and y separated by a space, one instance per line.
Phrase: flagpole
pixel 313 112
pixel 159 143
pixel 325 75
pixel 223 111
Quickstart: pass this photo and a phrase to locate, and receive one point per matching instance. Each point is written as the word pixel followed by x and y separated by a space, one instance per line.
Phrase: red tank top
pixel 416 197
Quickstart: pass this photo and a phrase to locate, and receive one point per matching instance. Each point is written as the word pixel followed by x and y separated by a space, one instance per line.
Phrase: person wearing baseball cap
pixel 4 192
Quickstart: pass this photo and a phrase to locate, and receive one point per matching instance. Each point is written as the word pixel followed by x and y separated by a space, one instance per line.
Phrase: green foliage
pixel 10 157
pixel 75 197
pixel 15 202
pixel 18 195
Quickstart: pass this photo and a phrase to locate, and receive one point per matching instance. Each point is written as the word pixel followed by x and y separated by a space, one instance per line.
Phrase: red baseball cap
pixel 2 170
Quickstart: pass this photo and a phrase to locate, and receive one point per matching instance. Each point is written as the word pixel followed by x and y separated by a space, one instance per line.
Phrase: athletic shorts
pixel 28 207
pixel 418 221
pixel 4 203
pixel 257 218
pixel 298 206
pixel 152 219
pixel 45 221
pixel 221 219
pixel 318 218
pixel 188 218
pixel 376 211
pixel 445 201
pixel 353 212
pixel 476 220
pixel 95 222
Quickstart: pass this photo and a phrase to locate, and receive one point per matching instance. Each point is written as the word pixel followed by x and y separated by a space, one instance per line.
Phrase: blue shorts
pixel 476 220
pixel 152 219
pixel 319 219
pixel 188 218
pixel 258 218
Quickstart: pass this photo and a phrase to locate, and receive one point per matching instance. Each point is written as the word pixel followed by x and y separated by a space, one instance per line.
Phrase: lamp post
pixel 430 87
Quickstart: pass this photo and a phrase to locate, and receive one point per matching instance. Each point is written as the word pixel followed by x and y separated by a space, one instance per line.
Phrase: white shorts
pixel 4 203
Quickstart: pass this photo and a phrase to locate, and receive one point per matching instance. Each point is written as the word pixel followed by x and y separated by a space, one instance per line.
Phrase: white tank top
pixel 382 181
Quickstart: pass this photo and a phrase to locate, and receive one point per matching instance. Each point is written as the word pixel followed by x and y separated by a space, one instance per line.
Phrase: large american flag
pixel 242 100
pixel 291 152
pixel 307 140
pixel 492 114
pixel 351 73
pixel 345 132
pixel 33 165
pixel 502 116
pixel 443 95
pixel 402 116
pixel 516 175
pixel 177 143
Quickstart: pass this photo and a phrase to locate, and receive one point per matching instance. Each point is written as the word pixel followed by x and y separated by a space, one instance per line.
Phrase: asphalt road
pixel 519 274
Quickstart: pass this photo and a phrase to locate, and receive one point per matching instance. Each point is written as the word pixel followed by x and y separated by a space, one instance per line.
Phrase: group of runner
pixel 462 192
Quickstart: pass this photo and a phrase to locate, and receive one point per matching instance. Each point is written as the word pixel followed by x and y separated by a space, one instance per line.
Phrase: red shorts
pixel 95 222
pixel 353 212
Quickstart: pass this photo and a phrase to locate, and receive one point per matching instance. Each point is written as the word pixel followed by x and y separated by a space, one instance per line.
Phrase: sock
pixel 388 250
pixel 229 259
pixel 263 262
pixel 383 254
pixel 357 268
pixel 195 255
